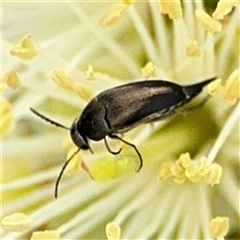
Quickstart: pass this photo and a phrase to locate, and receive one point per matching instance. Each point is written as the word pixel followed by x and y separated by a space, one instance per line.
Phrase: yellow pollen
pixel 26 49
pixel 8 122
pixel 113 231
pixel 223 8
pixel 193 49
pixel 178 173
pixel 184 169
pixel 16 222
pixel 204 165
pixel 84 92
pixel 208 23
pixel 90 74
pixel 172 8
pixel 12 79
pixel 184 160
pixel 193 174
pixel 214 174
pixel 231 90
pixel 165 170
pixel 63 79
pixel 215 87
pixel 49 235
pixel 149 70
pixel 114 14
pixel 219 227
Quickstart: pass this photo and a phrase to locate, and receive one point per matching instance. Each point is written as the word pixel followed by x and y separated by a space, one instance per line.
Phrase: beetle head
pixel 78 137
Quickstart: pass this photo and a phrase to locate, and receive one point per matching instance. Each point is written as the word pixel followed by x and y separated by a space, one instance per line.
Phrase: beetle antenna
pixel 62 171
pixel 48 120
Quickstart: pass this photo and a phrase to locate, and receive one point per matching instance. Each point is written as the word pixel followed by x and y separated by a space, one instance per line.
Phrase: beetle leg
pixel 108 148
pixel 131 145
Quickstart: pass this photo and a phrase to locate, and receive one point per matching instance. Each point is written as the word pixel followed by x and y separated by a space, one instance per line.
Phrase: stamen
pixel 63 79
pixel 179 176
pixel 12 79
pixel 193 49
pixel 26 49
pixel 50 235
pixel 90 74
pixel 149 70
pixel 7 124
pixel 165 171
pixel 114 14
pixel 16 222
pixel 184 169
pixel 214 174
pixel 215 87
pixel 113 231
pixel 84 92
pixel 219 227
pixel 223 8
pixel 231 90
pixel 209 24
pixel 172 8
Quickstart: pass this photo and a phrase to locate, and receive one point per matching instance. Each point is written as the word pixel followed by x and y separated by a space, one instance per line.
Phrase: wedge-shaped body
pixel 119 109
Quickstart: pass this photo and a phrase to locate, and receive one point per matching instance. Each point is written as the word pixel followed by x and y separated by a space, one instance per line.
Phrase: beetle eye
pixel 78 138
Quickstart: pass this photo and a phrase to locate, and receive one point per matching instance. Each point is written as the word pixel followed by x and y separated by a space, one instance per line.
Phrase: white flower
pixel 56 57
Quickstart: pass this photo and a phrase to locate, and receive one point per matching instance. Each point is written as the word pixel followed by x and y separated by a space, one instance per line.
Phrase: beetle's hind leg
pixel 131 145
pixel 108 148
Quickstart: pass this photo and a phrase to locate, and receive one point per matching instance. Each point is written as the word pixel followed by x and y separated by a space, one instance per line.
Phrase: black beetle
pixel 122 108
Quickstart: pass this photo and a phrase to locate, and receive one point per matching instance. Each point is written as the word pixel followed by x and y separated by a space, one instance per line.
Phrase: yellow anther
pixel 223 8
pixel 8 122
pixel 12 79
pixel 165 170
pixel 231 90
pixel 26 49
pixel 49 235
pixel 213 175
pixel 215 87
pixel 114 14
pixel 219 227
pixel 16 222
pixel 180 179
pixel 178 173
pixel 113 231
pixel 149 70
pixel 90 74
pixel 193 49
pixel 184 160
pixel 204 165
pixel 193 173
pixel 208 23
pixel 63 79
pixel 84 92
pixel 172 8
